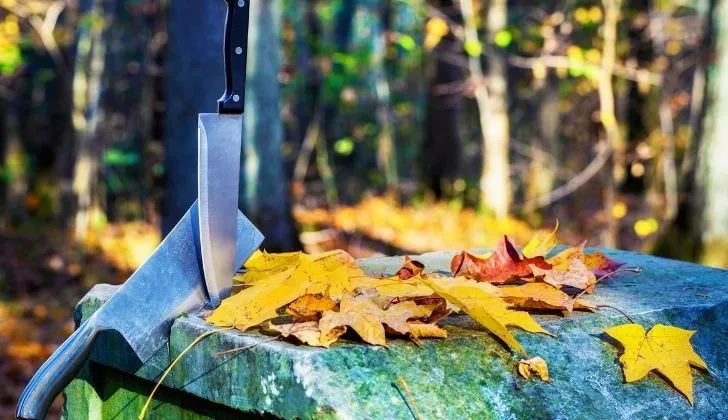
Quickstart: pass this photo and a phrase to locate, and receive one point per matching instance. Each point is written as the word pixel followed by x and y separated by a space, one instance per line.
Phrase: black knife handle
pixel 236 56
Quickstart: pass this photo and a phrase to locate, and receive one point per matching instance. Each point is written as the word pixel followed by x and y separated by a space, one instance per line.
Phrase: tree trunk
pixel 89 71
pixel 265 185
pixel 712 170
pixel 547 149
pixel 608 117
pixel 492 99
pixel 386 144
pixel 441 146
pixel 65 157
pixel 16 171
pixel 683 239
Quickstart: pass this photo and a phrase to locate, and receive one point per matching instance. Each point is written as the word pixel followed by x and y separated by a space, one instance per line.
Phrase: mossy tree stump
pixel 469 375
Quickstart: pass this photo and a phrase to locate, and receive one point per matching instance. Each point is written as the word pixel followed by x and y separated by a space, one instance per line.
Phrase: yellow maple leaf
pixel 366 318
pixel 539 246
pixel 483 303
pixel 262 265
pixel 534 365
pixel 664 348
pixel 259 302
pixel 391 287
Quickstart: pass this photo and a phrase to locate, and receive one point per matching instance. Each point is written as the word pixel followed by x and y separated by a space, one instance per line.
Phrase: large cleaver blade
pixel 167 285
pixel 220 143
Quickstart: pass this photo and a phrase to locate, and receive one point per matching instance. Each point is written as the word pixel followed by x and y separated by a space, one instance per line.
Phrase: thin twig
pixel 408 398
pixel 618 310
pixel 557 61
pixel 571 186
pixel 222 353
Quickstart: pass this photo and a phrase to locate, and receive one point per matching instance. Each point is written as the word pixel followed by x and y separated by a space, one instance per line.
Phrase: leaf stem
pixel 622 270
pixel 618 310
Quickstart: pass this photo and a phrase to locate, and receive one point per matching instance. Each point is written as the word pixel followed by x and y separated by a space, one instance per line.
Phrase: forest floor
pixel 42 277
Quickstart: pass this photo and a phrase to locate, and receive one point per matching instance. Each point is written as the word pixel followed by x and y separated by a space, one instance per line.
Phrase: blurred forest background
pixel 377 126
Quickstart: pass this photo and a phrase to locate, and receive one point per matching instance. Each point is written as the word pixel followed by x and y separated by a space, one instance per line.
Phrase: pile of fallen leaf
pixel 435 226
pixel 317 299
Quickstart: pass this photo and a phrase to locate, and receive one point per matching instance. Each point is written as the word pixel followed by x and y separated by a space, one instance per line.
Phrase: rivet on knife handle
pixel 236 55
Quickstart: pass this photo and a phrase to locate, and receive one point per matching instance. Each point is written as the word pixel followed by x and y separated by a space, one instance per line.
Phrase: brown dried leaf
pixel 366 318
pixel 600 264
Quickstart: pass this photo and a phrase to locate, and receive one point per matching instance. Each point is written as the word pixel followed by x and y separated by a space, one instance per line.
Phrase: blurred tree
pixel 608 117
pixel 386 142
pixel 88 115
pixel 495 181
pixel 713 171
pixel 441 146
pixel 264 193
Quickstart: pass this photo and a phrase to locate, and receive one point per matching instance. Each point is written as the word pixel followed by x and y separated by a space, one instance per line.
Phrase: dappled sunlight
pixel 126 245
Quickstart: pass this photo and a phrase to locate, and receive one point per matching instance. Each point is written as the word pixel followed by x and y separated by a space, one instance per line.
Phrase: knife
pixel 218 170
pixel 167 285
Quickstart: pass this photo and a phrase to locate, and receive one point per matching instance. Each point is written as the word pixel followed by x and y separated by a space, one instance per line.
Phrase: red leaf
pixel 503 265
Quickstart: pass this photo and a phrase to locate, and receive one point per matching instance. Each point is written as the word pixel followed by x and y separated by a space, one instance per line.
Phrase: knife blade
pixel 220 143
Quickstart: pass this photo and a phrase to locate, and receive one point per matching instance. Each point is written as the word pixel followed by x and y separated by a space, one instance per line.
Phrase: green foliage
pixel 473 48
pixel 503 38
pixel 10 59
pixel 344 146
pixel 406 42
pixel 118 157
